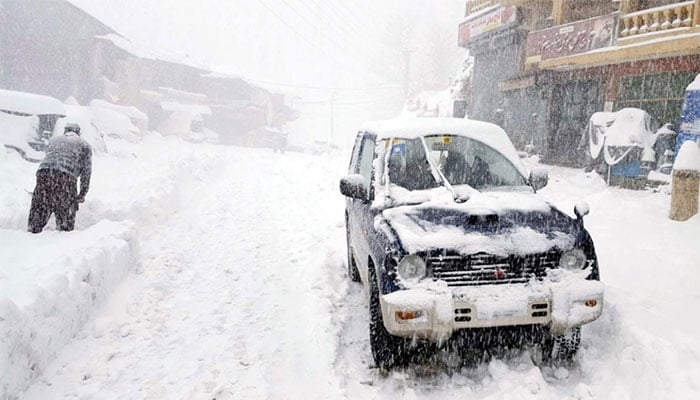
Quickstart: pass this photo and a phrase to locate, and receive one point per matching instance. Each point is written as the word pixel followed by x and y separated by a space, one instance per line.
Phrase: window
pixel 661 95
pixel 366 158
pixel 354 168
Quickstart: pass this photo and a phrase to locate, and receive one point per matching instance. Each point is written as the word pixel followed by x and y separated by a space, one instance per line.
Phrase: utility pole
pixel 332 117
pixel 407 72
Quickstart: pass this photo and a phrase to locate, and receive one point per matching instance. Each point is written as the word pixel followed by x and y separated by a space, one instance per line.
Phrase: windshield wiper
pixel 440 177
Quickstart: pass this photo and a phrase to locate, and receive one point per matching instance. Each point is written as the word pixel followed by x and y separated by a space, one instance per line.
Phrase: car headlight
pixel 573 259
pixel 411 268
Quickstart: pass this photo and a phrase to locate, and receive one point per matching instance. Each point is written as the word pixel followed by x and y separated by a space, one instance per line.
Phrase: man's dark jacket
pixel 71 154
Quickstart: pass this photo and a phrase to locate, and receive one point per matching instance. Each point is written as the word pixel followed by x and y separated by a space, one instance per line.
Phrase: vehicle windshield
pixel 461 160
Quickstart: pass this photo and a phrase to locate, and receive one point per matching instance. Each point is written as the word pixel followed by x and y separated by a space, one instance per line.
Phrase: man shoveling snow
pixel 68 158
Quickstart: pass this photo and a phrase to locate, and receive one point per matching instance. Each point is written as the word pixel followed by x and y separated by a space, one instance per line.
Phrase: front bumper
pixel 435 311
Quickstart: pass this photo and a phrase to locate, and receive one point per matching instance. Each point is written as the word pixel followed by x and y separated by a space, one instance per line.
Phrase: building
pixel 240 106
pixel 54 48
pixel 48 48
pixel 542 67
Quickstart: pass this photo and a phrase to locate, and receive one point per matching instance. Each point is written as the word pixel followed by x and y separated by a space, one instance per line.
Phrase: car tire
pixel 353 272
pixel 388 351
pixel 562 348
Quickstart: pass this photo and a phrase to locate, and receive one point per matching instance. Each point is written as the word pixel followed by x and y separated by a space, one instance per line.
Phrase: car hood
pixel 498 223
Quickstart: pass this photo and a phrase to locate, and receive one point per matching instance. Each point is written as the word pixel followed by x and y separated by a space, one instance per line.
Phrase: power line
pixel 348 26
pixel 329 38
pixel 311 87
pixel 307 41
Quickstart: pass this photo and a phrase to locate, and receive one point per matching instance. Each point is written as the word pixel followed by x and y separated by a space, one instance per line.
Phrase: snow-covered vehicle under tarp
pixel 621 144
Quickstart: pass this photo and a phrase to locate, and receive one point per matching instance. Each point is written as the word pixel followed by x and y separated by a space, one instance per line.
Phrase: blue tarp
pixel 690 119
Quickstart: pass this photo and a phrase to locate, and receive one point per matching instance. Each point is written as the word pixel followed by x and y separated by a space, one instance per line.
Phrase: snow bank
pixel 688 157
pixel 49 286
pixel 53 281
pixel 16 179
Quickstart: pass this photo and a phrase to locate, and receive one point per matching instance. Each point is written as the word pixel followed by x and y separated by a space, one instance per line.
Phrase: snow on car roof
pixel 30 103
pixel 411 128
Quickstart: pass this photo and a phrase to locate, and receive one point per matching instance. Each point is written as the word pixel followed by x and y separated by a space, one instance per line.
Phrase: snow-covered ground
pixel 240 290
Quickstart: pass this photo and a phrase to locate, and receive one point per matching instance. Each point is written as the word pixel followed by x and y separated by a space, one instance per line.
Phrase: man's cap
pixel 72 127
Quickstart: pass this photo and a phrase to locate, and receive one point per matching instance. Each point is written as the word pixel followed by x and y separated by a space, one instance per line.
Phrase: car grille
pixel 487 269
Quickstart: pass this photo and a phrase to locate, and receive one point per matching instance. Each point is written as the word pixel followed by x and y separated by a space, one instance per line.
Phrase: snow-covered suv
pixel 445 229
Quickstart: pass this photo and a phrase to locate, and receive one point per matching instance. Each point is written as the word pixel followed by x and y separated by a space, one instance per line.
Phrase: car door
pixel 361 218
pixel 351 208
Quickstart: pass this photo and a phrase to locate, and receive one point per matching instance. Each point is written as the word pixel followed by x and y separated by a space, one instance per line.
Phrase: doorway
pixel 571 105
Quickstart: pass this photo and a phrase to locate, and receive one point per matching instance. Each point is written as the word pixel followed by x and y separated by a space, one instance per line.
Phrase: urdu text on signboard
pixel 485 22
pixel 570 39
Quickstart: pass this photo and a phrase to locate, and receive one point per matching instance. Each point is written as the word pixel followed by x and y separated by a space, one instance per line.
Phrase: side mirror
pixel 353 186
pixel 581 209
pixel 539 178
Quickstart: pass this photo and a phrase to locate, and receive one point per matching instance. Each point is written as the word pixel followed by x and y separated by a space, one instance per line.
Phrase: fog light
pixel 406 315
pixel 591 303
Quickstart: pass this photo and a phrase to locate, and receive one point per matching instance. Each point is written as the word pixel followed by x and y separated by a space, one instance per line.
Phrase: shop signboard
pixel 570 39
pixel 485 21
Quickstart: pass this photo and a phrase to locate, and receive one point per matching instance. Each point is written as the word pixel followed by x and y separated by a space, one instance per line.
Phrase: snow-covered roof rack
pixel 30 103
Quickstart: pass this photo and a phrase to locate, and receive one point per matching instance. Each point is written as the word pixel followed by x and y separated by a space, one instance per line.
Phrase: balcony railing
pixel 478 5
pixel 664 18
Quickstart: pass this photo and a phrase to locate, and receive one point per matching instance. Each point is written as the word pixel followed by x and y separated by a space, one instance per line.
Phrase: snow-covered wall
pixel 49 286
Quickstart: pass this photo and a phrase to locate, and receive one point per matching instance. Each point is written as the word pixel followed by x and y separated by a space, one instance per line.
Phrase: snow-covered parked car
pixel 445 229
pixel 27 121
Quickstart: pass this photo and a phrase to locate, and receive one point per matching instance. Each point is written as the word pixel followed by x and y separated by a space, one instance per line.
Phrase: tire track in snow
pixel 226 304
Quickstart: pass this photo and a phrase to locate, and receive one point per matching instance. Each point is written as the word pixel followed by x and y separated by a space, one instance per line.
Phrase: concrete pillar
pixel 627 6
pixel 558 11
pixel 684 197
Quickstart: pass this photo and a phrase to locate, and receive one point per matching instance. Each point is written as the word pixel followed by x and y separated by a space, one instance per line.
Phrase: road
pixel 241 293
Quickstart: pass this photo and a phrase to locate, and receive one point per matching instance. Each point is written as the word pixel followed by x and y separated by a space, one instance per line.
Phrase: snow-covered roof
pixel 193 109
pixel 131 112
pixel 410 128
pixel 144 51
pixel 222 75
pixel 182 95
pixel 29 103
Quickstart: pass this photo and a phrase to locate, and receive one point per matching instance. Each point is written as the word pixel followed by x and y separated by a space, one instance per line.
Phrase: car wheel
pixel 353 272
pixel 562 348
pixel 388 351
